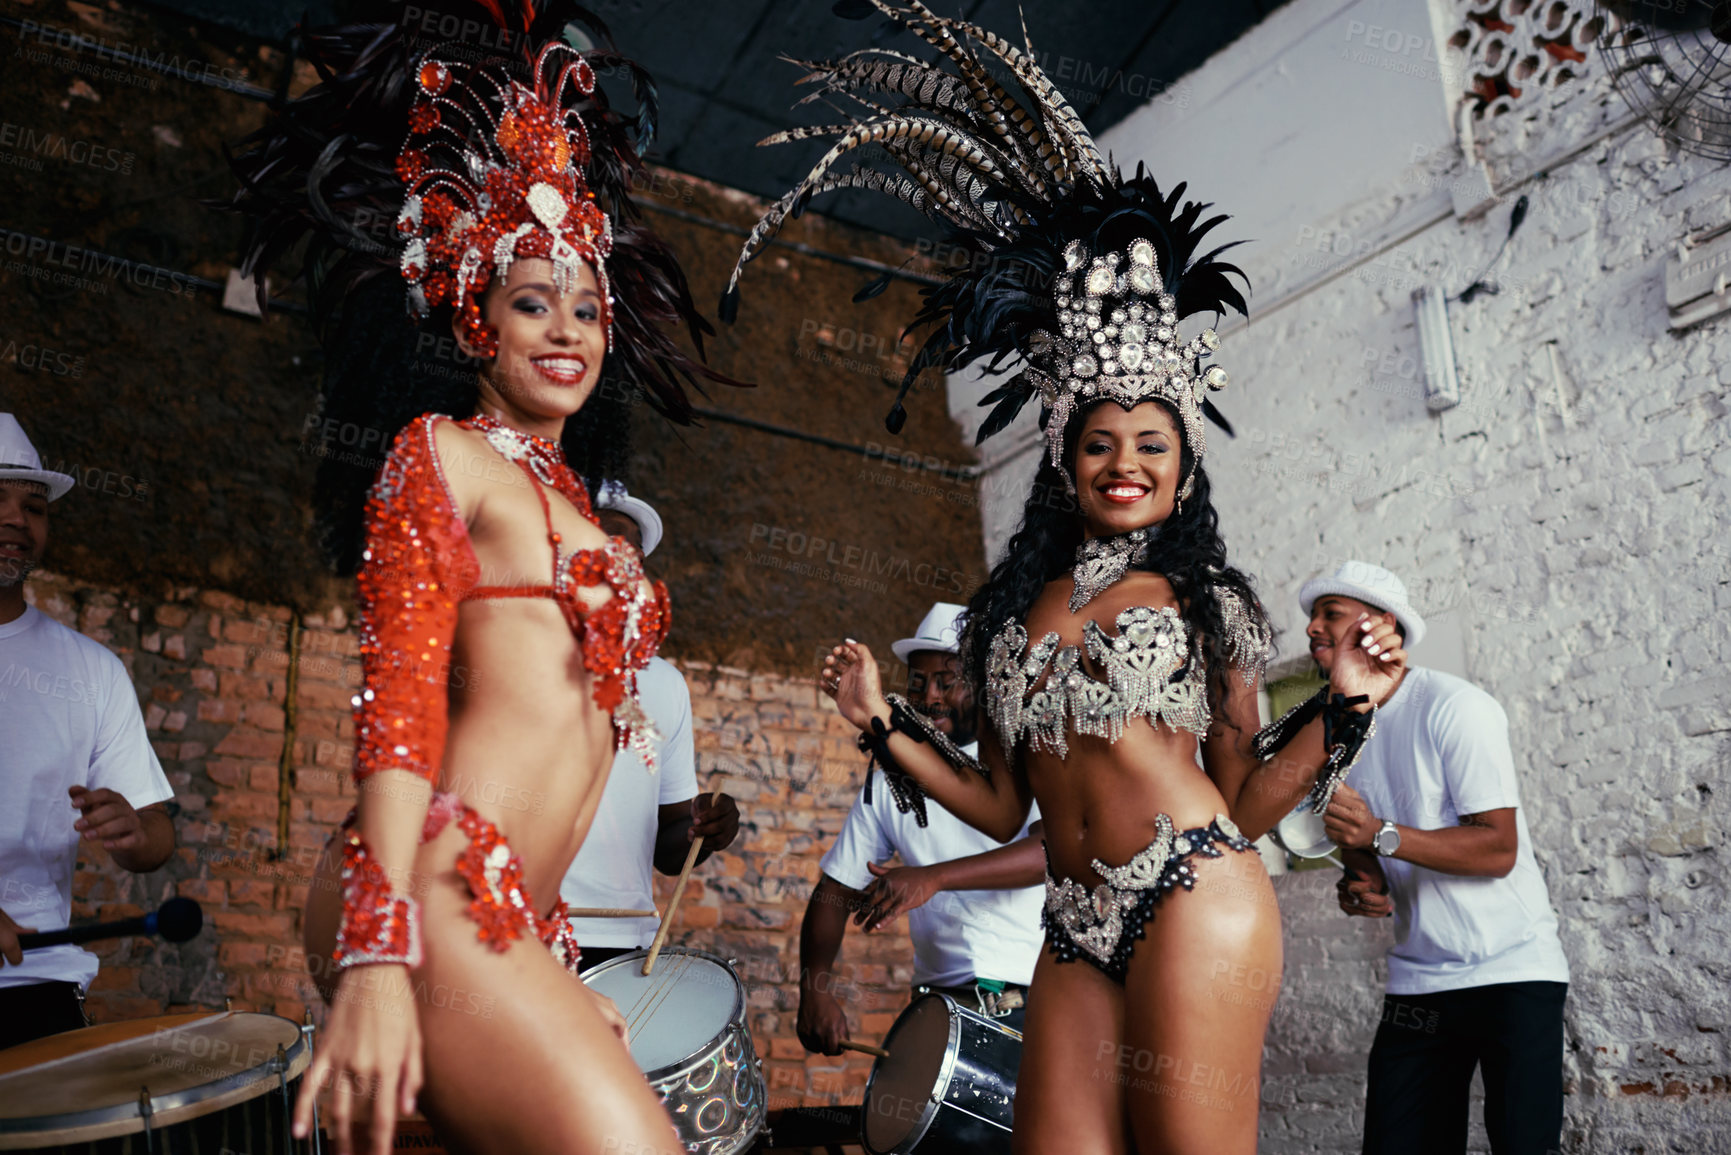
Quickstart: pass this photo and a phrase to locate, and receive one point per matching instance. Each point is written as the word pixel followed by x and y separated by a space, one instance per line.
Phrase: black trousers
pixel 1421 1070
pixel 39 1009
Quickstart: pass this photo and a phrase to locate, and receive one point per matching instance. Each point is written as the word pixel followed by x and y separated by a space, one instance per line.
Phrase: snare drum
pixel 687 1022
pixel 176 1083
pixel 949 1083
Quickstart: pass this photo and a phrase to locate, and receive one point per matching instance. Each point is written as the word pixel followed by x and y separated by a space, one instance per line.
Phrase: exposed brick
pixel 249 744
pixel 216 710
pixel 211 892
pixel 276 927
pixel 243 955
pixel 227 657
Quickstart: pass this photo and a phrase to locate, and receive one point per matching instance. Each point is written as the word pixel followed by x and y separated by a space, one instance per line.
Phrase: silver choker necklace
pixel 1100 561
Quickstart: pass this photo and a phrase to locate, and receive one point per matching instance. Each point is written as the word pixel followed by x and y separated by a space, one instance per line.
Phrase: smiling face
pixel 1332 618
pixel 1128 467
pixel 550 346
pixel 937 689
pixel 23 529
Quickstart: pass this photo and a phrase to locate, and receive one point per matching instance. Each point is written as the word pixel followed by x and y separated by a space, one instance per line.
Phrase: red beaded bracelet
pixel 379 924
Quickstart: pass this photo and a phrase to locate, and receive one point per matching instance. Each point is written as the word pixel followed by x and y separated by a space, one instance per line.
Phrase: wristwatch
pixel 1386 840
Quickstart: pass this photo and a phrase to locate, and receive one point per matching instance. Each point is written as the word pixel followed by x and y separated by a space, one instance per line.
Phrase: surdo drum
pixel 687 1024
pixel 948 1084
pixel 172 1085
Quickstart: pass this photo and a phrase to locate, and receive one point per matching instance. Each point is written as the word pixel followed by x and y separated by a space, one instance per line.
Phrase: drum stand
pixel 308 1030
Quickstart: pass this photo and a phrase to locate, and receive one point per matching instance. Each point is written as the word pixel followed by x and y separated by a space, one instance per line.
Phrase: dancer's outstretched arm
pixel 1260 793
pixel 994 800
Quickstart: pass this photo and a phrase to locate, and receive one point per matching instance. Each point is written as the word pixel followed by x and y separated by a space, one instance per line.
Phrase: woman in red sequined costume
pixel 501 628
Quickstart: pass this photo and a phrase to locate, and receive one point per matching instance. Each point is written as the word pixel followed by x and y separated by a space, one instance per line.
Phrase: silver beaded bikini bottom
pixel 1102 925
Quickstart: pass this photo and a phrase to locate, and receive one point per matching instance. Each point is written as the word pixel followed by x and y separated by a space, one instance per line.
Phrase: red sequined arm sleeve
pixel 416 566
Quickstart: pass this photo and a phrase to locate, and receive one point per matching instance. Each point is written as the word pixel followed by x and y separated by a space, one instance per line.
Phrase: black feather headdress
pixel 1074 272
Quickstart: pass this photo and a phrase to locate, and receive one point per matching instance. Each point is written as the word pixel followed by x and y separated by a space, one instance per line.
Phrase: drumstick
pixel 607 912
pixel 666 927
pixel 864 1048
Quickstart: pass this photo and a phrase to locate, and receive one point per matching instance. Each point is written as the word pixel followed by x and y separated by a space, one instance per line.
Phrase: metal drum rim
pixel 174 1101
pixel 735 1018
pixel 946 1069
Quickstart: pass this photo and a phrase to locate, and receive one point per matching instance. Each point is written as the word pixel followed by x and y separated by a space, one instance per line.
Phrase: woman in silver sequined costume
pixel 1116 651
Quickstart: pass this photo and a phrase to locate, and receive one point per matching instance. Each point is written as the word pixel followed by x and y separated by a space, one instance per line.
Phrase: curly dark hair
pixel 1187 551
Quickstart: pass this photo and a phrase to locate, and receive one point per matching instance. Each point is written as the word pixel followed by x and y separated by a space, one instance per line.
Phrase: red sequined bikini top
pixel 419 566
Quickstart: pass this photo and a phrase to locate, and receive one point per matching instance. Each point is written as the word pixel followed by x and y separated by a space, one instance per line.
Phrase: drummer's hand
pixel 850 676
pixel 716 823
pixel 895 890
pixel 1348 821
pixel 821 1026
pixel 10 951
pixel 108 816
pixel 1363 896
pixel 1370 662
pixel 371 1051
pixel 610 1012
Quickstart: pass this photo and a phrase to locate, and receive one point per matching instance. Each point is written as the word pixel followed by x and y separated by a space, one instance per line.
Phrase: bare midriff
pixel 528 748
pixel 1100 800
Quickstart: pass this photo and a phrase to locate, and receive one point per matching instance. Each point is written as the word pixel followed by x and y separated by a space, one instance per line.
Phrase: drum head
pixel 1302 833
pixel 898 1104
pixel 675 1013
pixel 84 1085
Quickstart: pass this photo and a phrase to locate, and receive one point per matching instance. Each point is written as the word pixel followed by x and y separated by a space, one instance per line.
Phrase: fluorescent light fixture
pixel 1442 389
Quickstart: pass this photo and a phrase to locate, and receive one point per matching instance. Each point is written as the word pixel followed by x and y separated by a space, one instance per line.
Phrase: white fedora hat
pixel 938 632
pixel 1372 585
pixel 613 496
pixel 19 460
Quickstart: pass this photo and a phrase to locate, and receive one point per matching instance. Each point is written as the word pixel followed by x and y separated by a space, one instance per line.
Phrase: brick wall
pixel 211 672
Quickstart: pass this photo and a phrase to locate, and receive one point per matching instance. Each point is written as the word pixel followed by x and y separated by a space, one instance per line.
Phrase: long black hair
pixel 1187 551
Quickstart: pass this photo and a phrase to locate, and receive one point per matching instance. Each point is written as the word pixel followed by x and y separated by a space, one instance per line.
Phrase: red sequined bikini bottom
pixel 500 901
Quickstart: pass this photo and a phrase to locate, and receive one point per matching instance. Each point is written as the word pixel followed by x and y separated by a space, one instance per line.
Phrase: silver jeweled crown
pixel 1119 340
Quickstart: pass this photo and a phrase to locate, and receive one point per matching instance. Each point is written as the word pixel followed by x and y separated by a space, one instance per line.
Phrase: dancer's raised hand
pixel 850 676
pixel 1371 663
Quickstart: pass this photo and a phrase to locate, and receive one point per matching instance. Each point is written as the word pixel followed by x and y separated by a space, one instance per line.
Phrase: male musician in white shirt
pixel 1432 831
pixel 643 818
pixel 74 764
pixel 973 904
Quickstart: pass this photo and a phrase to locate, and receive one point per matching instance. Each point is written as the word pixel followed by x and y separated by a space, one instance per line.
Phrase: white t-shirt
pixel 959 935
pixel 615 866
pixel 68 717
pixel 1441 749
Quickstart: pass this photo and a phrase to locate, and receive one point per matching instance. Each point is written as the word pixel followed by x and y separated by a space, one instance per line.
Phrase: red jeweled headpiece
pixel 494 172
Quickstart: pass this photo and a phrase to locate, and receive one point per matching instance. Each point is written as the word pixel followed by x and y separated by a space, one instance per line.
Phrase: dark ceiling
pixel 724 85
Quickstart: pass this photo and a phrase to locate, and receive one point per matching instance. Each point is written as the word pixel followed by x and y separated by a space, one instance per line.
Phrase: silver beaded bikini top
pixel 1148 668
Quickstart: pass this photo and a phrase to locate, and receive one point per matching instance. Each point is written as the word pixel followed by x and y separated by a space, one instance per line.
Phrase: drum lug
pixel 147 1111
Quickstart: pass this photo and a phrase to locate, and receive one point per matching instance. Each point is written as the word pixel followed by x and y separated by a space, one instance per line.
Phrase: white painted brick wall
pixel 1574 525
pixel 1570 517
